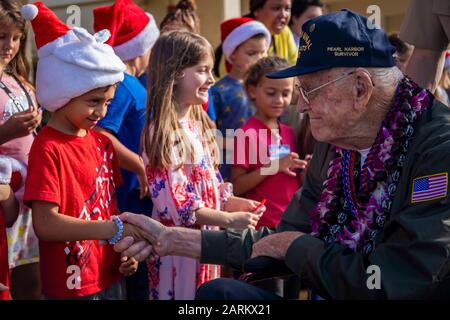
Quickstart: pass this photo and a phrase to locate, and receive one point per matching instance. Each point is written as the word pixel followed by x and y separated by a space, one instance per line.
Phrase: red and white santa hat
pixel 238 30
pixel 12 172
pixel 71 61
pixel 133 31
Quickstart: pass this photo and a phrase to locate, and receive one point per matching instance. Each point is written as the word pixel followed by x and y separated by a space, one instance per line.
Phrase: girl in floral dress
pixel 181 158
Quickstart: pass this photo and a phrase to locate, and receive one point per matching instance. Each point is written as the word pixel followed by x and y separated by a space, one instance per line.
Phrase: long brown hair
pixel 182 18
pixel 10 14
pixel 171 55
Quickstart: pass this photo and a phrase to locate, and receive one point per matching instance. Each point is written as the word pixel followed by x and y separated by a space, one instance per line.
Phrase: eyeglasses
pixel 305 94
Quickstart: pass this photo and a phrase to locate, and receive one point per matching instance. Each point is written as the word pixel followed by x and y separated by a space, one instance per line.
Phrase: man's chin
pixel 319 137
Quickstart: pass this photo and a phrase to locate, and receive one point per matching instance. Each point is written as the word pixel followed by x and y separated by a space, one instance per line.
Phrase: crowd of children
pixel 116 143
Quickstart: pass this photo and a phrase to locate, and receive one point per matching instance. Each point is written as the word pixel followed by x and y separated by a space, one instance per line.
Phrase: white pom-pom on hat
pixel 102 36
pixel 29 11
pixel 71 61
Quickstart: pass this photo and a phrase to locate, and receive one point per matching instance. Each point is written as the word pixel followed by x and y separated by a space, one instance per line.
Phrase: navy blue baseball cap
pixel 339 39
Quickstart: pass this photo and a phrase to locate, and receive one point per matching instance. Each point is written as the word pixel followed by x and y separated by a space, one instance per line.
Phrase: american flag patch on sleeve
pixel 429 187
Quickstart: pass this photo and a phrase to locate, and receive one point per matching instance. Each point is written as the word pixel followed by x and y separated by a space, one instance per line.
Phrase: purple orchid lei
pixel 353 217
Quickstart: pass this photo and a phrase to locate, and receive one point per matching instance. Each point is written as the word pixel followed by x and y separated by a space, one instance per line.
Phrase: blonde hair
pixel 172 54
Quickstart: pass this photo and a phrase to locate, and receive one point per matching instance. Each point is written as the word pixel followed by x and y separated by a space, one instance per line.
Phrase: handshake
pixel 146 238
pixel 143 237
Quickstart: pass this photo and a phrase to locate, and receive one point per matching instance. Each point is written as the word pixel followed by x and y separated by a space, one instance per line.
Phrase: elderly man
pixel 375 196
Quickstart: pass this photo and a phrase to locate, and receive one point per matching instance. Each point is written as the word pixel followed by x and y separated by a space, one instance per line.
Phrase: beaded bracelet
pixel 118 236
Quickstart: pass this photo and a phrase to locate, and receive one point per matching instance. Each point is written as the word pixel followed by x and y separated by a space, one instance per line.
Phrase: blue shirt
pixel 211 111
pixel 232 105
pixel 126 119
pixel 233 109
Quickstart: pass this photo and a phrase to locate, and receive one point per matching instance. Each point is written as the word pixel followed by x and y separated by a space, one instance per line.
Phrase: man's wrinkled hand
pixel 140 250
pixel 147 228
pixel 275 245
pixel 155 233
pixel 130 230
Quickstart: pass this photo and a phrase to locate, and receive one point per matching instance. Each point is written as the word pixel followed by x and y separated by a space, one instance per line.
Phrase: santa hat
pixel 12 172
pixel 71 61
pixel 238 30
pixel 133 31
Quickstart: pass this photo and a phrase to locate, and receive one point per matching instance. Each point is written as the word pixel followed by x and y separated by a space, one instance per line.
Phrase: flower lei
pixel 353 216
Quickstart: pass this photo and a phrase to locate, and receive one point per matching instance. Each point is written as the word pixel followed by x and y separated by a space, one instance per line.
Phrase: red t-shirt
pixel 4 266
pixel 251 152
pixel 80 175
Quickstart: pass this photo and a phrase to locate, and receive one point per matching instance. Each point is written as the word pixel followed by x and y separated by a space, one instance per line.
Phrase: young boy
pixel 244 41
pixel 134 34
pixel 73 171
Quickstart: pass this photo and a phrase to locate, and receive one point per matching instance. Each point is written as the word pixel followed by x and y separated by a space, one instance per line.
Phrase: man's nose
pixel 302 106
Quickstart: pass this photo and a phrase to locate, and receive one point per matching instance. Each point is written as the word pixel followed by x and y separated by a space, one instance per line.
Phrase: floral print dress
pixel 176 194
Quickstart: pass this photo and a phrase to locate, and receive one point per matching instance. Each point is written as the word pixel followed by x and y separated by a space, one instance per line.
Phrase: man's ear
pixel 362 89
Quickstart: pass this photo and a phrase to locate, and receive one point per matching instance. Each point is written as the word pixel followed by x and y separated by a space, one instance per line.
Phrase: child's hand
pixel 243 220
pixel 241 204
pixel 22 123
pixel 3 287
pixel 5 192
pixel 289 163
pixel 128 266
pixel 9 205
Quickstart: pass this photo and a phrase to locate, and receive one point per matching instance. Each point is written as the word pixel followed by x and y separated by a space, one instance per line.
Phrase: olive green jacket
pixel 414 250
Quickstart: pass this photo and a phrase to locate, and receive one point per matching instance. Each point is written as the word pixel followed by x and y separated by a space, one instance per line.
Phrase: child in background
pixel 244 41
pixel 9 210
pixel 134 33
pixel 271 174
pixel 302 11
pixel 180 154
pixel 19 117
pixel 184 17
pixel 275 15
pixel 73 170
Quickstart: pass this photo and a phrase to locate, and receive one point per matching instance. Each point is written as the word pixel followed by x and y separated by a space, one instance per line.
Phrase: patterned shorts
pixel 23 245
